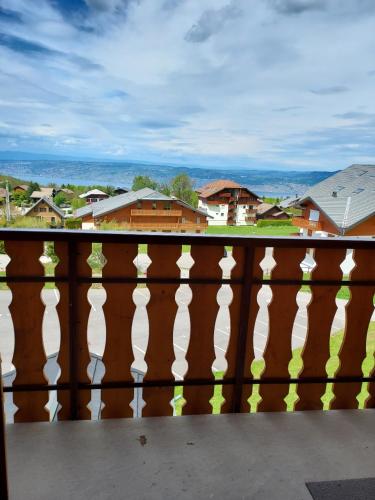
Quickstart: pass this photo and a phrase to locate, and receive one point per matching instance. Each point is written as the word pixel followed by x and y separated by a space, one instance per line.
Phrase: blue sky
pixel 258 84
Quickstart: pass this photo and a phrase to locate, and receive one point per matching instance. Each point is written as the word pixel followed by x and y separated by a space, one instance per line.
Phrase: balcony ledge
pixel 264 456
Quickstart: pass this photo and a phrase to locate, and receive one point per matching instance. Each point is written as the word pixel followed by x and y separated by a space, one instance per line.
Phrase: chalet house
pixel 44 192
pixel 343 204
pixel 120 190
pixel 21 188
pixel 271 212
pixel 228 203
pixel 94 195
pixel 45 210
pixel 144 210
pixel 67 192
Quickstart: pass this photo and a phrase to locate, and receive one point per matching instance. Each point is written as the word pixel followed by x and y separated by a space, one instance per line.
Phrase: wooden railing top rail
pixel 97 236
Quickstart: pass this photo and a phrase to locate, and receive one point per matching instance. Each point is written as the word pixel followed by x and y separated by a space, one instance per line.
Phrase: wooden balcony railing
pixel 153 213
pixel 73 277
pixel 306 224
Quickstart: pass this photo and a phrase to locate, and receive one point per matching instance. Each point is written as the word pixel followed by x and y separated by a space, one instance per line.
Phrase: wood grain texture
pixel 162 310
pixel 83 312
pixel 282 312
pixel 118 311
pixel 247 390
pixel 27 311
pixel 203 310
pixel 320 315
pixel 238 255
pixel 62 309
pixel 358 314
pixel 235 313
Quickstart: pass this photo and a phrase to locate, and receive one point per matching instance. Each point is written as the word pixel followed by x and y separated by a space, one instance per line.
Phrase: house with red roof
pixel 228 203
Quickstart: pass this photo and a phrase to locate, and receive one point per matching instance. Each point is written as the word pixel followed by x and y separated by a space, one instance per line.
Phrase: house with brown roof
pixel 45 210
pixel 144 210
pixel 228 203
pixel 20 188
pixel 271 212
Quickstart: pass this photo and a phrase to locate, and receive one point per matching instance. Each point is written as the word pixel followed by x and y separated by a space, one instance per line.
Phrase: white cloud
pixel 269 81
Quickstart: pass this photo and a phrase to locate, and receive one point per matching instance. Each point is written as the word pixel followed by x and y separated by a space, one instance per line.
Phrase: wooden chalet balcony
pixel 251 214
pixel 153 213
pixel 166 226
pixel 306 224
pixel 255 448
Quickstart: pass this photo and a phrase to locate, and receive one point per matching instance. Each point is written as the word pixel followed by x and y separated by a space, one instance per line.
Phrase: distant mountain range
pixel 45 169
pixel 27 155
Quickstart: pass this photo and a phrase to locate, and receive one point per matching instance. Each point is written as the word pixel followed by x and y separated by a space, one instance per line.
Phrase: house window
pixel 314 215
pixel 198 220
pixel 42 209
pixel 154 205
pixel 167 205
pixel 53 219
pixel 183 220
pixel 139 204
pixel 222 214
pixel 50 209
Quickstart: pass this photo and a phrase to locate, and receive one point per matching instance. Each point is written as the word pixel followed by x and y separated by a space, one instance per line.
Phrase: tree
pixel 143 181
pixel 19 199
pixel 181 187
pixel 33 186
pixel 110 190
pixel 165 189
pixel 78 203
pixel 60 199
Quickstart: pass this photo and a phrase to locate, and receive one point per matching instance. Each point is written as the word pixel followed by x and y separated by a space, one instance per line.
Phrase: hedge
pixel 275 223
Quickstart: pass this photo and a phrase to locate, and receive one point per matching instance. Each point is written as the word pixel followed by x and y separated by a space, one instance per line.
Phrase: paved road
pixel 96 326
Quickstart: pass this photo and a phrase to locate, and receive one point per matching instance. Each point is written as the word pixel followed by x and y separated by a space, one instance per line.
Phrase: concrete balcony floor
pixel 262 456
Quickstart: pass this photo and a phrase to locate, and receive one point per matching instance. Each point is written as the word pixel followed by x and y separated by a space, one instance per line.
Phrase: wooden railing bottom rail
pixel 190 382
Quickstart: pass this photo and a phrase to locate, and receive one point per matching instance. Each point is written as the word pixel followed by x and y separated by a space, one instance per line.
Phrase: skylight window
pixel 358 190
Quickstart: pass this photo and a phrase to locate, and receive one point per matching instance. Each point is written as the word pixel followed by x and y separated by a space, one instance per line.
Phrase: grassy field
pixel 252 230
pixel 295 367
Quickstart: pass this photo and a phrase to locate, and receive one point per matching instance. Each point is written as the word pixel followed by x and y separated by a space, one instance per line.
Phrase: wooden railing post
pixel 243 327
pixel 73 375
pixel 27 311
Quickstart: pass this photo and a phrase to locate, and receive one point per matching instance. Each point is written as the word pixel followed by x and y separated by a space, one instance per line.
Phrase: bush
pixel 49 251
pixel 274 223
pixel 73 223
